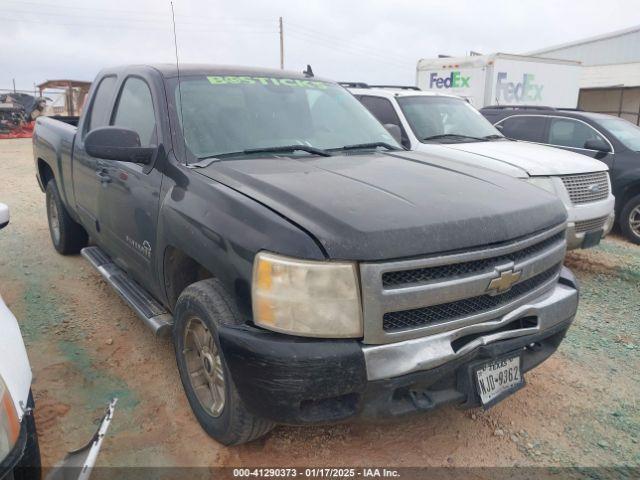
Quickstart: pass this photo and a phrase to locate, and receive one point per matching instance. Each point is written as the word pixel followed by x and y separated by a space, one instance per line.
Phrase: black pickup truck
pixel 309 269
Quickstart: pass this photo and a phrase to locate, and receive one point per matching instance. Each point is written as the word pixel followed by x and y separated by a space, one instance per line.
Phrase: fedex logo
pixel 522 91
pixel 455 80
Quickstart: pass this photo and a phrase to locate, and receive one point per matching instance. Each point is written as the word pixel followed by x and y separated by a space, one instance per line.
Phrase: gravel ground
pixel 580 408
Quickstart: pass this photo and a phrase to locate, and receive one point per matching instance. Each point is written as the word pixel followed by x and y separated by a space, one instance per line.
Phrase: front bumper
pixel 297 380
pixel 586 218
pixel 24 460
pixel 577 235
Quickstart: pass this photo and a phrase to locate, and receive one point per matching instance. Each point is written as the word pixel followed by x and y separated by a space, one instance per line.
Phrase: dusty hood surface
pixel 378 206
pixel 535 159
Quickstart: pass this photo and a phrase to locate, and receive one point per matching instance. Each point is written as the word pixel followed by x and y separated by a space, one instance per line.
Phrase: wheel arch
pixel 45 173
pixel 631 191
pixel 179 271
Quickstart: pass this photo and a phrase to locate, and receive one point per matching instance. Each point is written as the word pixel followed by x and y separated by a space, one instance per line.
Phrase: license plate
pixel 591 239
pixel 498 379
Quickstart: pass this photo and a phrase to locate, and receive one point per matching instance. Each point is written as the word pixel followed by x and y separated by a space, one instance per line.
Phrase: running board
pixel 154 315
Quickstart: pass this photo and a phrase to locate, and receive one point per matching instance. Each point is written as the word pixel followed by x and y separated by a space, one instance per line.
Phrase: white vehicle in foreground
pixel 19 448
pixel 431 122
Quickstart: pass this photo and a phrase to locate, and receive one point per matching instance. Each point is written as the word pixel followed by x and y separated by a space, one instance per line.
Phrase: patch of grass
pixel 98 387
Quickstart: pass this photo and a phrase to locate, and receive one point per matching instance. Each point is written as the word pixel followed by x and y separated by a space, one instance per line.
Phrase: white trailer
pixel 503 79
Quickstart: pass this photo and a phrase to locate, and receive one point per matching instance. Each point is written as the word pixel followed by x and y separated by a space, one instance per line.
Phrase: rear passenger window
pixel 135 110
pixel 384 112
pixel 99 116
pixel 523 127
pixel 381 108
pixel 571 133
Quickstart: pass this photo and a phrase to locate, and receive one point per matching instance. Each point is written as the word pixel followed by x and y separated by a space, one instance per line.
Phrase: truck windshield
pixel 626 132
pixel 232 114
pixel 446 120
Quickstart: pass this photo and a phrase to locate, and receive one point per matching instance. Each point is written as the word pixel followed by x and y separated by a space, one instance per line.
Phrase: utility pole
pixel 281 46
pixel 14 86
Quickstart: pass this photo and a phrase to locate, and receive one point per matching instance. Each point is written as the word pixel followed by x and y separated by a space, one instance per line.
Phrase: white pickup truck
pixel 430 122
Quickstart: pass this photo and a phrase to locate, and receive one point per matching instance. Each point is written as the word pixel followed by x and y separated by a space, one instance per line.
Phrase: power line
pixel 312 32
pixel 120 25
pixel 145 14
pixel 341 48
pixel 129 20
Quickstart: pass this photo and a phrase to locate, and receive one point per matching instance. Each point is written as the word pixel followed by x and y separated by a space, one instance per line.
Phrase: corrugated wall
pixel 624 48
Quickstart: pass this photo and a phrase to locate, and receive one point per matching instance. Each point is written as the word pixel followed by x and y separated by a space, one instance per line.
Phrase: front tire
pixel 68 236
pixel 206 379
pixel 630 219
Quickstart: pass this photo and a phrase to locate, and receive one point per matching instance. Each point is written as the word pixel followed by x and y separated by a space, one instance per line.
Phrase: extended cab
pixel 428 122
pixel 309 269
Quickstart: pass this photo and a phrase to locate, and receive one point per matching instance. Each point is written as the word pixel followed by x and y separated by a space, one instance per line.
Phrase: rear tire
pixel 206 379
pixel 68 236
pixel 630 219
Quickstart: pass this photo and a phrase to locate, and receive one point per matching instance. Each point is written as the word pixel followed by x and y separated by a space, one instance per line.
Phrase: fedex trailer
pixel 502 79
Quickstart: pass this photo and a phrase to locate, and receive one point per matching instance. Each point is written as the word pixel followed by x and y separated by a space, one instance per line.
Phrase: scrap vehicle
pixel 428 122
pixel 308 268
pixel 612 140
pixel 17 114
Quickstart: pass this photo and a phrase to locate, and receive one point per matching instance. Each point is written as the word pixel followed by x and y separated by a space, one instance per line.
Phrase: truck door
pixel 86 173
pixel 129 201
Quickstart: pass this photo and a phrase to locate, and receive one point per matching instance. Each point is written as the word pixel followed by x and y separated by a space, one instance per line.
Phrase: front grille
pixel 456 270
pixel 591 225
pixel 587 187
pixel 407 319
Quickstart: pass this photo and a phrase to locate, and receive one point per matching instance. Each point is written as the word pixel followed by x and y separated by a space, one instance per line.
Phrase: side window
pixel 135 110
pixel 571 133
pixel 523 127
pixel 384 112
pixel 382 109
pixel 99 116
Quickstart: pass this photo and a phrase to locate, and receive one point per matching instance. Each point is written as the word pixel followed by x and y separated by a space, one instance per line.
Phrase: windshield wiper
pixel 289 148
pixel 454 135
pixel 358 146
pixel 494 136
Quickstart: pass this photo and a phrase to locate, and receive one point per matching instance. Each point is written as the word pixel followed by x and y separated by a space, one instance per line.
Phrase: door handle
pixel 103 176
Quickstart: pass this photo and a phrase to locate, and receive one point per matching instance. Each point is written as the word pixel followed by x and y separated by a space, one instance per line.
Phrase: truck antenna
pixel 175 44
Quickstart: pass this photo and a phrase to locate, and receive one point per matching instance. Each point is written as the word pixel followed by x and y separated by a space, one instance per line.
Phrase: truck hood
pixel 378 206
pixel 536 160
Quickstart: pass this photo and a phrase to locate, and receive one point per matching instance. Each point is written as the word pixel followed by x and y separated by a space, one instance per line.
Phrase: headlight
pixel 9 422
pixel 546 183
pixel 308 298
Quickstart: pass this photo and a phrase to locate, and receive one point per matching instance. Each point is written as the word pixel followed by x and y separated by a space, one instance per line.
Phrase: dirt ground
pixel 580 408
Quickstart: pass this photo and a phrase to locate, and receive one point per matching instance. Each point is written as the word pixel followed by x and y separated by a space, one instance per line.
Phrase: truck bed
pixel 53 139
pixel 70 119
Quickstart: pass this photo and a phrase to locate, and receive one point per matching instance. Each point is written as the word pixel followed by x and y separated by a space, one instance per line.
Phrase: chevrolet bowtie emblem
pixel 504 281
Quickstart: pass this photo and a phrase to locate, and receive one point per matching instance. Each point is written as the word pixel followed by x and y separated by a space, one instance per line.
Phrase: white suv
pixel 430 122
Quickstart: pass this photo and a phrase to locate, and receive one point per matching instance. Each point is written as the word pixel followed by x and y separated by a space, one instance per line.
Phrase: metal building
pixel 610 79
